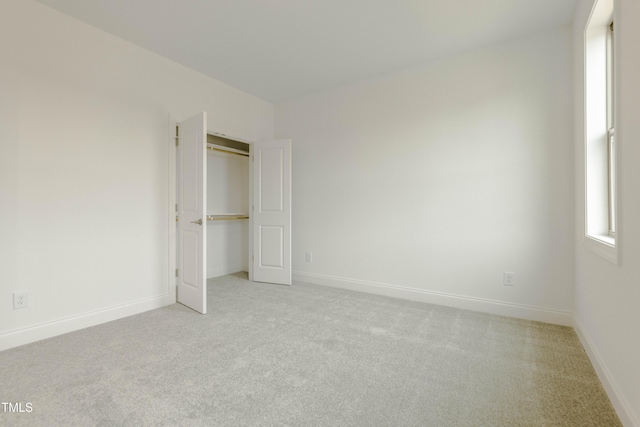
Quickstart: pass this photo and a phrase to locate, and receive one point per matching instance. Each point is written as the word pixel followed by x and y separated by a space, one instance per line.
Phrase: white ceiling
pixel 283 49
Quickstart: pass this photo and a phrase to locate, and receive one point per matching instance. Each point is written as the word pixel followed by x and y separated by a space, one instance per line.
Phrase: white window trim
pixel 600 212
pixel 612 165
pixel 604 246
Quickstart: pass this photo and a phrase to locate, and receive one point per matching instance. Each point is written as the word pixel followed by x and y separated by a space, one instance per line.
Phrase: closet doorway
pixel 233 209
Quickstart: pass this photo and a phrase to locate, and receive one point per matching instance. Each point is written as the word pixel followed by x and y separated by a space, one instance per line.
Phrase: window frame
pixel 611 130
pixel 600 141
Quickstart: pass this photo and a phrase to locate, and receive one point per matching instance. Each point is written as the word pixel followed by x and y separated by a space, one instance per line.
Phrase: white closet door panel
pixel 271 167
pixel 271 246
pixel 192 202
pixel 272 212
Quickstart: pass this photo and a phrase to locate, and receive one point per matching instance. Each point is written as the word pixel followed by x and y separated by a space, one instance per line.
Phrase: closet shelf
pixel 227 216
pixel 227 150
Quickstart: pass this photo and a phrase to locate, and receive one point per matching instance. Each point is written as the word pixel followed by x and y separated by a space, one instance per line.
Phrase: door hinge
pixel 176 272
pixel 177 141
pixel 176 207
pixel 176 218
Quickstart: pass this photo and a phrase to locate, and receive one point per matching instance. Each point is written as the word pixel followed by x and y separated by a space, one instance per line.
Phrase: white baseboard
pixel 622 407
pixel 62 326
pixel 440 298
pixel 224 270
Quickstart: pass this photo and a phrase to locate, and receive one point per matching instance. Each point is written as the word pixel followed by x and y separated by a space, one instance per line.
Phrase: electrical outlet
pixel 20 300
pixel 508 277
pixel 309 257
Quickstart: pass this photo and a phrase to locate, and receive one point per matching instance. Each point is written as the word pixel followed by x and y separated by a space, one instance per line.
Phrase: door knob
pixel 199 222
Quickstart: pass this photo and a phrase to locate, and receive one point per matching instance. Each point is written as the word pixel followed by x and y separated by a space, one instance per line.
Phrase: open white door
pixel 192 202
pixel 272 212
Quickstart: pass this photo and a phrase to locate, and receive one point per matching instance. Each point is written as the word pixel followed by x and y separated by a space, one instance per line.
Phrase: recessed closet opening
pixel 228 206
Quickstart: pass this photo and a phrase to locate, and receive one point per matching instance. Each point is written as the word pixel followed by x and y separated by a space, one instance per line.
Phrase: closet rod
pixel 227 151
pixel 224 217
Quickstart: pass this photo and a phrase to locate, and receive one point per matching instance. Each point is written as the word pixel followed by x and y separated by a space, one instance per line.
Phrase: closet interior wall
pixel 227 194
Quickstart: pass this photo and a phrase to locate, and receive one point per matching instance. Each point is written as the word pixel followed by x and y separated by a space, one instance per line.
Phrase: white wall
pixel 607 296
pixel 84 168
pixel 429 183
pixel 425 184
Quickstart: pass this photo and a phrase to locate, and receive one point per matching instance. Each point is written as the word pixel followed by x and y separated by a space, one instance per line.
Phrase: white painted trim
pixel 603 246
pixel 622 407
pixel 251 255
pixel 172 210
pixel 62 326
pixel 440 298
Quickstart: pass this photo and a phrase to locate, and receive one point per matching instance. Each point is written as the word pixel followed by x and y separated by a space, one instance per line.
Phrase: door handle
pixel 199 222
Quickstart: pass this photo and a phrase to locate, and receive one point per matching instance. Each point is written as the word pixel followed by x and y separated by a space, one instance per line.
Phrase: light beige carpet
pixel 306 355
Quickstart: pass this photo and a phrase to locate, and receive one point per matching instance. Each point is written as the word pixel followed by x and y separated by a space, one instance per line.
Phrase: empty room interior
pixel 404 212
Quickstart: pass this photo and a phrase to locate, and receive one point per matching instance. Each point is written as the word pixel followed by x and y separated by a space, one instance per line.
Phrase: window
pixel 611 133
pixel 600 132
